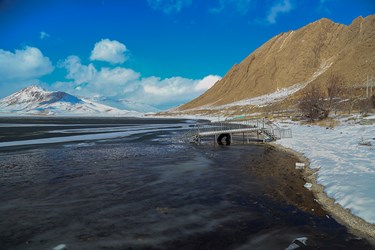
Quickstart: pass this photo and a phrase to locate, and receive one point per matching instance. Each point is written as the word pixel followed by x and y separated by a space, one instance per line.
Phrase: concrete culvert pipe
pixel 227 139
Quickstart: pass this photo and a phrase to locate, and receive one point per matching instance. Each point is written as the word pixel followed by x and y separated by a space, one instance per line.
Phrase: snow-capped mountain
pixel 36 101
pixel 125 104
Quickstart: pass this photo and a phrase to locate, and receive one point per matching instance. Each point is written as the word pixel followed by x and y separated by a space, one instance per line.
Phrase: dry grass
pixel 327 123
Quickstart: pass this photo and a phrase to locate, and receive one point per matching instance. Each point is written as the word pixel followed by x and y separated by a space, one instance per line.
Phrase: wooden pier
pixel 250 130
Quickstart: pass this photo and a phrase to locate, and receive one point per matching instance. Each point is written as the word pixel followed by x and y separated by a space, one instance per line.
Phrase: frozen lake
pixel 134 184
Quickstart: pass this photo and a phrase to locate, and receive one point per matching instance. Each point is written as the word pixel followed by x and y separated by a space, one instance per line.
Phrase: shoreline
pixel 354 224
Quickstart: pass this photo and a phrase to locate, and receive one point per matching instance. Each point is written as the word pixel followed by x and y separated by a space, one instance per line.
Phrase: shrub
pixel 313 104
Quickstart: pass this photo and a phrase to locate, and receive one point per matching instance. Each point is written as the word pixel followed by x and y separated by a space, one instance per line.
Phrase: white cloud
pixel 78 72
pixel 43 35
pixel 169 6
pixel 116 76
pixel 241 6
pixel 281 7
pixel 109 51
pixel 91 81
pixel 124 83
pixel 175 90
pixel 23 65
pixel 206 83
pixel 169 87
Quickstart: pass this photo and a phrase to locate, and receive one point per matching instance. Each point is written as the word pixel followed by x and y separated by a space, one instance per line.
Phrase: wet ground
pixel 150 190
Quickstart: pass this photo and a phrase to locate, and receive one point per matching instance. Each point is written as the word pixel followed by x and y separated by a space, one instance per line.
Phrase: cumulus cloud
pixel 109 51
pixel 206 83
pixel 77 72
pixel 116 76
pixel 282 7
pixel 174 91
pixel 105 81
pixel 169 6
pixel 23 65
pixel 241 6
pixel 43 35
pixel 124 83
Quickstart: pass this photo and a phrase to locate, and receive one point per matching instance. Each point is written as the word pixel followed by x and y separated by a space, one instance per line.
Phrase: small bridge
pixel 259 130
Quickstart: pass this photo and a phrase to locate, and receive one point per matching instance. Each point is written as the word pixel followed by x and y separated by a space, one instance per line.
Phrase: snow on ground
pixel 273 97
pixel 370 117
pixel 346 169
pixel 262 100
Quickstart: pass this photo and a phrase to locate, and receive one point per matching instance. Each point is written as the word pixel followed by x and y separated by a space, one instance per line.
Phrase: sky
pixel 158 52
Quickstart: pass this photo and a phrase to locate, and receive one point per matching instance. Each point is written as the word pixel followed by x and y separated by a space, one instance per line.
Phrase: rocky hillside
pixel 291 60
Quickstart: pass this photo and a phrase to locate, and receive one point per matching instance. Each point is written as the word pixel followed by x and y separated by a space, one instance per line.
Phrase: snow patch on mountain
pixel 274 97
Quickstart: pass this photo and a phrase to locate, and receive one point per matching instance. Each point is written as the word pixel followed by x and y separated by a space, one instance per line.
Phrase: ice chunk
pixel 60 247
pixel 308 185
pixel 297 243
pixel 300 165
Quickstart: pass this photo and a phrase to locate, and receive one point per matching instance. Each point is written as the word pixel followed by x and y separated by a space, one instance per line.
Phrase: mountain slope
pixel 37 101
pixel 125 104
pixel 307 55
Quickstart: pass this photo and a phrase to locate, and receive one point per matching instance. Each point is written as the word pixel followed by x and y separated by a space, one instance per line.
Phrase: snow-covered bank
pixel 346 169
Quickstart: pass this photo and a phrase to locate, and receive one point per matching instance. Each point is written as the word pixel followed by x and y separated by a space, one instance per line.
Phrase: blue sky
pixel 160 52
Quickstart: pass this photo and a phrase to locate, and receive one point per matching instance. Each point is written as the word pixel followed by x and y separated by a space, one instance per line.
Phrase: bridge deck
pixel 266 130
pixel 227 131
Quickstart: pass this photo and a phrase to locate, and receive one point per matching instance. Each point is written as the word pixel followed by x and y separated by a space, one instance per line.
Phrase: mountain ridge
pixel 34 100
pixel 307 55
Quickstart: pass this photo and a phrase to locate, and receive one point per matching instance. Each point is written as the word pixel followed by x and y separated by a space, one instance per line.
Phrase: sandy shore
pixel 354 224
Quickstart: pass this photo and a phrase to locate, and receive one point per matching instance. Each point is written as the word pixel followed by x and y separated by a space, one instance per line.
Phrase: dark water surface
pixel 146 190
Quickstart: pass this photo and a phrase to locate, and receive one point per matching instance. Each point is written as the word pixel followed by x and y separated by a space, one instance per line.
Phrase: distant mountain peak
pixel 125 104
pixel 37 101
pixel 33 88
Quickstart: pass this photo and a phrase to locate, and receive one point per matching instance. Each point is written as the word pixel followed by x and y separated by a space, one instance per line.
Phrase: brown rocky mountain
pixel 295 59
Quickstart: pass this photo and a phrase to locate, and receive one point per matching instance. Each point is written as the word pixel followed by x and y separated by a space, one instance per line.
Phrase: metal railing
pixel 271 130
pixel 223 127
